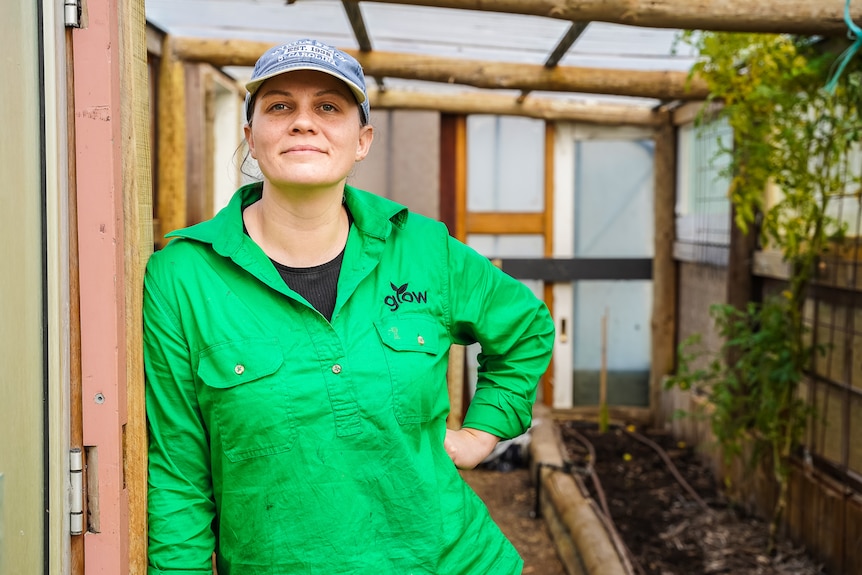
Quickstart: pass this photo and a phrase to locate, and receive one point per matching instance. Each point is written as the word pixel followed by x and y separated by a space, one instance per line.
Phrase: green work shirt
pixel 289 444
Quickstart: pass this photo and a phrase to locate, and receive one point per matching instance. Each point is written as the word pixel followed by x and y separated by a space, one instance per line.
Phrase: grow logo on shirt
pixel 403 296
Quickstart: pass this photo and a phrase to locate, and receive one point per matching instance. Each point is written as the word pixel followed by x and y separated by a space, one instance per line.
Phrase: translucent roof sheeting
pixel 432 31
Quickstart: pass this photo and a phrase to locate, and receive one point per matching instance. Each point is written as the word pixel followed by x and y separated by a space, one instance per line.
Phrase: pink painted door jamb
pixel 102 283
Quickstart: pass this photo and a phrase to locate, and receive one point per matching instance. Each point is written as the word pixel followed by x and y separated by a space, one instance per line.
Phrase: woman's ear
pixel 363 146
pixel 249 139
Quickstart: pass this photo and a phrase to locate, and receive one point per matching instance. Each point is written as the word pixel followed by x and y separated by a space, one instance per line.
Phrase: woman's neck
pixel 298 231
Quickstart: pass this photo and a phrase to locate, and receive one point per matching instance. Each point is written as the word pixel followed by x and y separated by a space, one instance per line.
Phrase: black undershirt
pixel 317 284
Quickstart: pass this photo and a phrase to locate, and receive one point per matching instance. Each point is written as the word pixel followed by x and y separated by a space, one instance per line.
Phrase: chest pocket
pixel 412 350
pixel 251 405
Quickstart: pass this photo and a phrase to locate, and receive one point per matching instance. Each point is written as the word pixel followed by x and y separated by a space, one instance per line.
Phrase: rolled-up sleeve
pixel 516 334
pixel 180 495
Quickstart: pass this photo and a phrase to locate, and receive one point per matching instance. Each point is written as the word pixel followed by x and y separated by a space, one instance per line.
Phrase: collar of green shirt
pixel 372 215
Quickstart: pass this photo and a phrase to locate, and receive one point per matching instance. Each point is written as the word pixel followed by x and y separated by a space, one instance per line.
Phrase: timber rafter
pixel 662 85
pixel 808 17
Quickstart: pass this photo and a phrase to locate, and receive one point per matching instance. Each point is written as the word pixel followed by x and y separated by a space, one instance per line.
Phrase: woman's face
pixel 305 132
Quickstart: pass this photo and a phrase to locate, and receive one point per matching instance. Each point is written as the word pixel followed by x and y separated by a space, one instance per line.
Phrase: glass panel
pixel 506 159
pixel 613 207
pixel 703 207
pixel 613 218
pixel 628 305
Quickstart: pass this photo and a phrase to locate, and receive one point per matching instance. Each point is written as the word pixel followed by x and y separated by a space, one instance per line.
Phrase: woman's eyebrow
pixel 281 92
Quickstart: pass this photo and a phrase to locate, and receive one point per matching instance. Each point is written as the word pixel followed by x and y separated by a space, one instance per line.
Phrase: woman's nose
pixel 303 121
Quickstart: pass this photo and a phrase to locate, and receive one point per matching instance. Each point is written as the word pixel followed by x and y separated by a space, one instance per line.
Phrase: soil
pixel 511 499
pixel 665 529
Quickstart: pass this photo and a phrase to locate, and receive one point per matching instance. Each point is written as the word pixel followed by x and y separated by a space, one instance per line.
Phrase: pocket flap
pixel 408 333
pixel 236 362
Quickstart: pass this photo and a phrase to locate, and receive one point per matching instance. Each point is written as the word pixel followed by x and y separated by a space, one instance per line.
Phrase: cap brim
pixel 253 85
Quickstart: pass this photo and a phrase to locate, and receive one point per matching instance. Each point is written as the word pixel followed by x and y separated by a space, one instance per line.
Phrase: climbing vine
pixel 793 158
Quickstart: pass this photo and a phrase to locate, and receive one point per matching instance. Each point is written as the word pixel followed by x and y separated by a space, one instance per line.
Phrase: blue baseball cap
pixel 309 55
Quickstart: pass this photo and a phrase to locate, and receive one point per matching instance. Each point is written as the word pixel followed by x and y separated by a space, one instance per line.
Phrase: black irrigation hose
pixel 603 501
pixel 673 470
pixel 566 468
pixel 605 516
pixel 605 513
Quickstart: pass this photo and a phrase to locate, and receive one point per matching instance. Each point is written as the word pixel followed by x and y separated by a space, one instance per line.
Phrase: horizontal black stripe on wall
pixel 577 269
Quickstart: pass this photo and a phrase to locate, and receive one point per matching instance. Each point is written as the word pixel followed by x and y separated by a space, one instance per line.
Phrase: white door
pixel 603 212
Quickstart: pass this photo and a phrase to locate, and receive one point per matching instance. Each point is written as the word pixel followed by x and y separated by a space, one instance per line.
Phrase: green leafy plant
pixel 794 139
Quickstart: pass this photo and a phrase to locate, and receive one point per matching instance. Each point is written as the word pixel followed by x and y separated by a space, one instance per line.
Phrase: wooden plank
pixel 792 16
pixel 195 110
pixel 452 196
pixel 155 38
pixel 461 178
pixel 852 561
pixel 171 189
pixel 550 134
pixel 137 246
pixel 448 169
pixel 503 105
pixel 209 135
pixel 664 281
pixel 505 223
pixel 690 111
pixel 742 286
pixel 665 85
pixel 617 414
pixel 76 424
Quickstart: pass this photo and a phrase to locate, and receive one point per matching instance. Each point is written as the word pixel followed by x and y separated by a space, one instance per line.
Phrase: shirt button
pixel 239 369
pixel 421 340
pixel 336 369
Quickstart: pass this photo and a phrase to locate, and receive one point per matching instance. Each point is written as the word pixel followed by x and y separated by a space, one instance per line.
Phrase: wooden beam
pixel 502 105
pixel 663 323
pixel 505 223
pixel 171 189
pixel 808 17
pixel 663 85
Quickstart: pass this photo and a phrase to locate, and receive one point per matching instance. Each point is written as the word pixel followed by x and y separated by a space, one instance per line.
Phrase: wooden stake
pixel 603 377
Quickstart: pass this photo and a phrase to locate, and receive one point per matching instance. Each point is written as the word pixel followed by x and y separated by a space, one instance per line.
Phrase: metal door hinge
pixel 72 13
pixel 76 472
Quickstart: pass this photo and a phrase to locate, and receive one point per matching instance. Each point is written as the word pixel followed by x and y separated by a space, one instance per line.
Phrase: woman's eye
pixel 278 107
pixel 328 108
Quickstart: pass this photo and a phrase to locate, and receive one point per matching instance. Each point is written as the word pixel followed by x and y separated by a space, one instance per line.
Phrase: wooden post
pixel 171 190
pixel 548 234
pixel 663 324
pixel 453 205
pixel 138 245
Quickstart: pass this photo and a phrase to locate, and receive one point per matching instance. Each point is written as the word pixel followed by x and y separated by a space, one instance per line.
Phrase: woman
pixel 296 349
